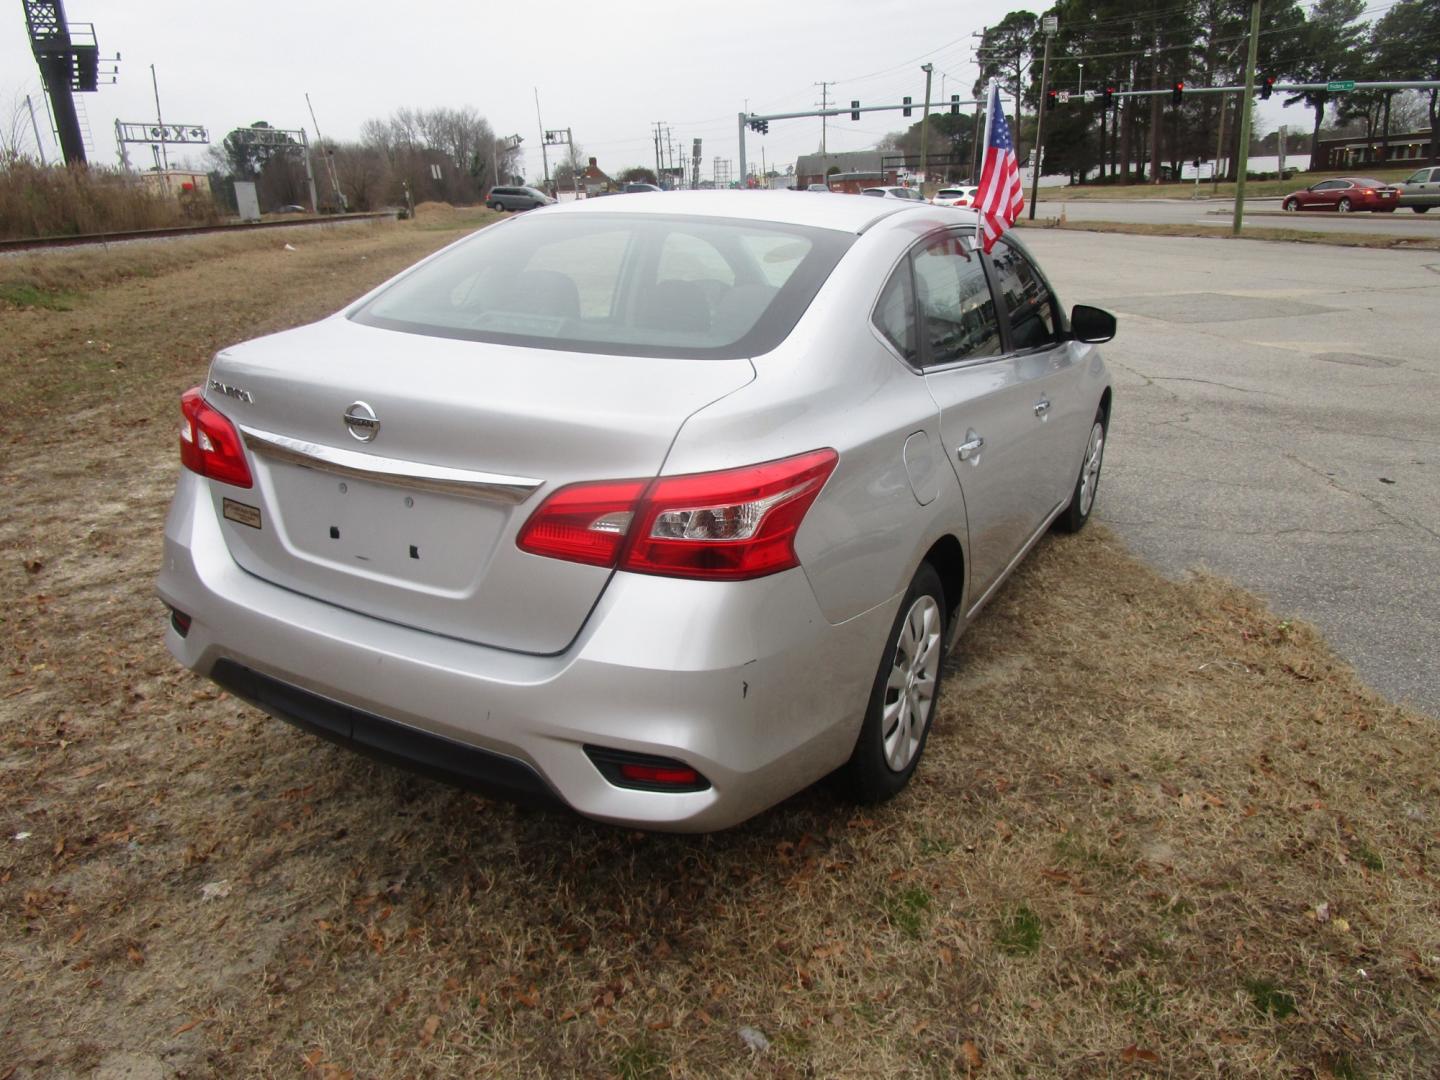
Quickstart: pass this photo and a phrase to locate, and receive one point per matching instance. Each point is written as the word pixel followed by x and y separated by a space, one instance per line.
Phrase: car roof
pixel 782 207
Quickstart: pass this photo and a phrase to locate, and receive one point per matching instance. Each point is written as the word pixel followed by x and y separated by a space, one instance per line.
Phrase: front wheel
pixel 903 697
pixel 1343 206
pixel 1082 499
pixel 1289 206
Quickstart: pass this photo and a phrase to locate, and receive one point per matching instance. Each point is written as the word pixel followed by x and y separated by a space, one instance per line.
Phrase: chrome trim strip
pixel 382 470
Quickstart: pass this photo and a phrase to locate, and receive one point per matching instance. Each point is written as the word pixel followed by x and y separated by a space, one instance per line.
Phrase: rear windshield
pixel 633 284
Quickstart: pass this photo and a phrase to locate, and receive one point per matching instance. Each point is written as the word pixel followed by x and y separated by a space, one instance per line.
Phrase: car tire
pixel 1082 499
pixel 1343 206
pixel 904 696
pixel 498 207
pixel 1289 206
pixel 1420 209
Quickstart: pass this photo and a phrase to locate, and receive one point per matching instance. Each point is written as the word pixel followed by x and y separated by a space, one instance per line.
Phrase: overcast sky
pixel 608 69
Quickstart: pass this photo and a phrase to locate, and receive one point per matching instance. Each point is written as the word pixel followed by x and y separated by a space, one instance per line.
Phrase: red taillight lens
pixel 736 524
pixel 584 523
pixel 730 525
pixel 1367 191
pixel 209 443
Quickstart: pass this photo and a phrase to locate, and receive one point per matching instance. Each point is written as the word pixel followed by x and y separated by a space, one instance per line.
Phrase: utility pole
pixel 1050 24
pixel 928 69
pixel 1245 104
pixel 164 154
pixel 329 158
pixel 39 146
pixel 544 157
pixel 824 104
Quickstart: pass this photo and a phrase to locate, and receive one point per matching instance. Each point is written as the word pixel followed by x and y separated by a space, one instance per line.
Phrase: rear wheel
pixel 1082 499
pixel 1420 209
pixel 902 700
pixel 1343 206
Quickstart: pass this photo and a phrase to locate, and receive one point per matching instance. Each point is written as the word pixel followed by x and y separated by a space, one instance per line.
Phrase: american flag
pixel 999 197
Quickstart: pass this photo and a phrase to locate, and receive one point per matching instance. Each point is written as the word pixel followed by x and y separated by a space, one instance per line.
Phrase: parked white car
pixel 955 196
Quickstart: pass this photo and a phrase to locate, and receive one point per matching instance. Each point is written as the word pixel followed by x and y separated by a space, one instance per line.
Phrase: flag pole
pixel 991 96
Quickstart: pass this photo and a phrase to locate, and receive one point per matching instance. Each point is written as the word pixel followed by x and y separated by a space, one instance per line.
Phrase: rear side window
pixel 636 284
pixel 895 313
pixel 1028 303
pixel 957 313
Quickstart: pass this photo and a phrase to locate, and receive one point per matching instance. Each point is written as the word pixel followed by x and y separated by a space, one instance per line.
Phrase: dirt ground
pixel 1159 830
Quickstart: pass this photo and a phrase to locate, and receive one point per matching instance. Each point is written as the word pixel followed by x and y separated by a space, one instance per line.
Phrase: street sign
pixel 1063 97
pixel 1337 85
pixel 1204 171
pixel 1089 96
pixel 1049 24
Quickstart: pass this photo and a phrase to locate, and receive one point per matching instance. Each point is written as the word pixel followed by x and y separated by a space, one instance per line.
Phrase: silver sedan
pixel 664 507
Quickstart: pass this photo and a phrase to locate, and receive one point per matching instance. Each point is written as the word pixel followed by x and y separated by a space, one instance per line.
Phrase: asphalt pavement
pixel 1219 214
pixel 1275 422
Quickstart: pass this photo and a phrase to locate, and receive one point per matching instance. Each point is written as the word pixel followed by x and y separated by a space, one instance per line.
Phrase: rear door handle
pixel 970 448
pixel 1042 407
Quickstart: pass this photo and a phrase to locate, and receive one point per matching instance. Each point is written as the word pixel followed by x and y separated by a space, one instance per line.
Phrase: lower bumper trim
pixel 387 740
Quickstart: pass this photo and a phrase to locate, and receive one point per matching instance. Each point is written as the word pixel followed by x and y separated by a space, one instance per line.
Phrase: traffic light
pixel 854 110
pixel 1052 98
pixel 907 107
pixel 761 127
pixel 954 104
pixel 1109 100
pixel 1267 86
pixel 1177 93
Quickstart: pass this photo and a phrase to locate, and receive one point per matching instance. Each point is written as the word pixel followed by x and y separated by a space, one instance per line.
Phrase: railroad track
pixel 41 243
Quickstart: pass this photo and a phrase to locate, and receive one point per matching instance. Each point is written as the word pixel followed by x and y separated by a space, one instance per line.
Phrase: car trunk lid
pixel 392 471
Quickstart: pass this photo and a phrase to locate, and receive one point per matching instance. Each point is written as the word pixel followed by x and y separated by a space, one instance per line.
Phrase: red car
pixel 1346 193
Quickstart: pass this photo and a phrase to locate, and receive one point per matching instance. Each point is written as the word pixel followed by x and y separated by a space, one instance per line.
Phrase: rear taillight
pixel 209 443
pixel 1367 191
pixel 731 525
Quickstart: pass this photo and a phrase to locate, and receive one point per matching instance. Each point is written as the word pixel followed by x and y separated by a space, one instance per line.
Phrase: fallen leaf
pixel 428 1029
pixel 1133 1053
pixel 971 1054
pixel 187 1027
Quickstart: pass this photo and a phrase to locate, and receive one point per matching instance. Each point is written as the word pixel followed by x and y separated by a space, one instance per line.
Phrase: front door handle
pixel 970 448
pixel 1042 407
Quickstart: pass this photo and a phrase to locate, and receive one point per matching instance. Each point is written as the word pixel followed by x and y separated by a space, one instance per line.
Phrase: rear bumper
pixel 745 681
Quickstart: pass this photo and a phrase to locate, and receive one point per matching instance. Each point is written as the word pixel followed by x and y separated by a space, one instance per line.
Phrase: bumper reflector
pixel 645 772
pixel 180 621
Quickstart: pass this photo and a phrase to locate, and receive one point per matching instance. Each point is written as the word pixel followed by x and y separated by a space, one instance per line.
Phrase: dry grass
pixel 1159 830
pixel 1221 231
pixel 37 201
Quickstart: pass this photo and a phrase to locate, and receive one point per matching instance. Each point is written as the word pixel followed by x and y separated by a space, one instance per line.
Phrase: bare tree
pixel 15 131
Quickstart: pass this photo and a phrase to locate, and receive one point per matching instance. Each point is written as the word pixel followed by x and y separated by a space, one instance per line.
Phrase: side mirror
pixel 1091 325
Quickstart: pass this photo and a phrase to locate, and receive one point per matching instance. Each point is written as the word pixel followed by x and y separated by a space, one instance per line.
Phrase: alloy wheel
pixel 1090 470
pixel 910 690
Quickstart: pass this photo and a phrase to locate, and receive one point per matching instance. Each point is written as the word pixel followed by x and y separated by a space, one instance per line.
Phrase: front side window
pixel 1028 302
pixel 956 312
pixel 641 284
pixel 1329 185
